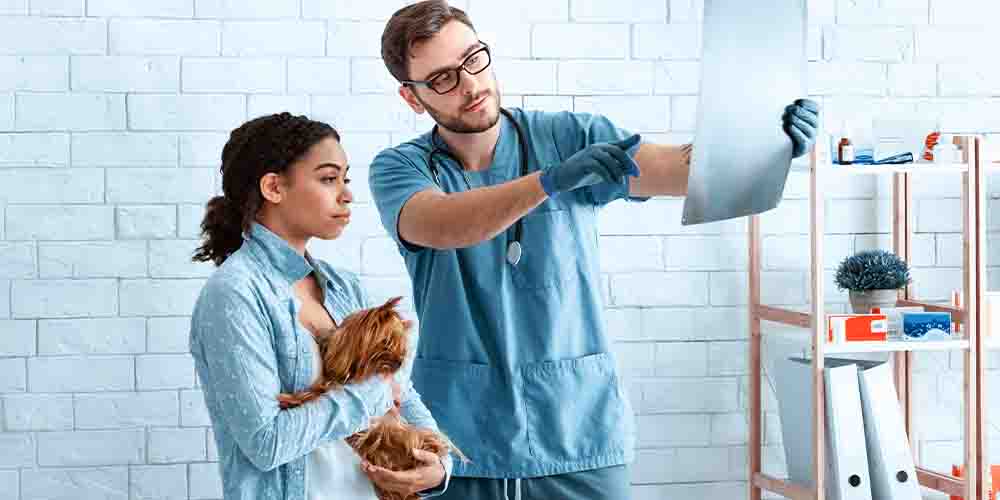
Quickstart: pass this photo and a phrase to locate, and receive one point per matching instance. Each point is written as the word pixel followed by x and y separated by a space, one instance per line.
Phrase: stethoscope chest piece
pixel 514 252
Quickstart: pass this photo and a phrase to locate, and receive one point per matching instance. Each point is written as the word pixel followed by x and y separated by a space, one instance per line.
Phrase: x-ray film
pixel 753 65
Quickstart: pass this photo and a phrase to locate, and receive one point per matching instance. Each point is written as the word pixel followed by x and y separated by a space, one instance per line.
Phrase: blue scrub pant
pixel 610 483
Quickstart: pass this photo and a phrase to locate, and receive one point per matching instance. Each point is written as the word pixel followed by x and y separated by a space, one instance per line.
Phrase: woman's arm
pixel 237 366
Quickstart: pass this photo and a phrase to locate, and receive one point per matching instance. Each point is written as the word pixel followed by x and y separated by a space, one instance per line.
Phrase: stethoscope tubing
pixel 514 249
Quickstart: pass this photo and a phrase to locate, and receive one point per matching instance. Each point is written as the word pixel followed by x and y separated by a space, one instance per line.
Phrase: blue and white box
pixel 926 326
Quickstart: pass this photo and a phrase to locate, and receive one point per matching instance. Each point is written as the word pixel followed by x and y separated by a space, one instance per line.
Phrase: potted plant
pixel 873 278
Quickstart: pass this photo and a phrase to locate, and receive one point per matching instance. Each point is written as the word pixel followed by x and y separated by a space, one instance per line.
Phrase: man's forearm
pixel 663 170
pixel 438 220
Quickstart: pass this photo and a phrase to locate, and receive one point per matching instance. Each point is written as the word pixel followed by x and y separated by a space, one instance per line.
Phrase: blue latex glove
pixel 800 121
pixel 594 164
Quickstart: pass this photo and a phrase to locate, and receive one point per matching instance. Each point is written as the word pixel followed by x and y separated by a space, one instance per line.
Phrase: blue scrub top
pixel 513 361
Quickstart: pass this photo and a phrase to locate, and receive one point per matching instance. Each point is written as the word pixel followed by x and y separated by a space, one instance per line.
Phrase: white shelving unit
pixel 813 322
pixel 868 347
pixel 908 168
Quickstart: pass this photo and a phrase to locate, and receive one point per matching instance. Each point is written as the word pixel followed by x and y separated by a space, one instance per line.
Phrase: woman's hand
pixel 427 475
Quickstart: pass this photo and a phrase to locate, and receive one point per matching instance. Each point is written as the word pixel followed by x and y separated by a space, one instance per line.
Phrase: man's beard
pixel 457 125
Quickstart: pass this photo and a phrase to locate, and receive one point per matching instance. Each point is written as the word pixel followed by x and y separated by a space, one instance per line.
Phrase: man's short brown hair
pixel 413 24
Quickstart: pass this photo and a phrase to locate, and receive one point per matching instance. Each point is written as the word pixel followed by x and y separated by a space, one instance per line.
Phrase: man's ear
pixel 407 94
pixel 271 187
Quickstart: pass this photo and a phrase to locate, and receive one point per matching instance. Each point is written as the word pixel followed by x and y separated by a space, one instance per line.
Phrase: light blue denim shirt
pixel 248 346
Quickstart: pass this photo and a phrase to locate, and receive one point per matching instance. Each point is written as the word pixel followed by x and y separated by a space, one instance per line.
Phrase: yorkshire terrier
pixel 389 443
pixel 373 342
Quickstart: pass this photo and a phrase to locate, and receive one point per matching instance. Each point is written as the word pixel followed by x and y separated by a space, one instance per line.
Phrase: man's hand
pixel 800 121
pixel 428 474
pixel 594 164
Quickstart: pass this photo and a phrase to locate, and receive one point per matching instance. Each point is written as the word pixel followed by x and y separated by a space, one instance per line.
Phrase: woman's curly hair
pixel 268 144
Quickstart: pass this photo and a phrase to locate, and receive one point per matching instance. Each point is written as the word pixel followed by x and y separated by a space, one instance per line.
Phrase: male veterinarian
pixel 495 214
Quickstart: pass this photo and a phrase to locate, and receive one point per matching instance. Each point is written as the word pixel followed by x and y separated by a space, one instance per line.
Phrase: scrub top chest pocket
pixel 549 247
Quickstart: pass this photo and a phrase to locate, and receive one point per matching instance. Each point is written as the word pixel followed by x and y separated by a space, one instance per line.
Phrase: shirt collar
pixel 324 279
pixel 292 266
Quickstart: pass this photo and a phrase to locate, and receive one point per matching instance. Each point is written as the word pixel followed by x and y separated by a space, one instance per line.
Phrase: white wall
pixel 112 118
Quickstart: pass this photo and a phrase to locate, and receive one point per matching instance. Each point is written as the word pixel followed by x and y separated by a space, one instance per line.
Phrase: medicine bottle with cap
pixel 845 149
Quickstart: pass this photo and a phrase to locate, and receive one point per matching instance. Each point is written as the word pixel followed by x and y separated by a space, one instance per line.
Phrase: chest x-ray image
pixel 753 64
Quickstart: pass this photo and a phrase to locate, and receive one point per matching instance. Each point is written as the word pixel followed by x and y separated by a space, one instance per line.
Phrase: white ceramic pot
pixel 863 302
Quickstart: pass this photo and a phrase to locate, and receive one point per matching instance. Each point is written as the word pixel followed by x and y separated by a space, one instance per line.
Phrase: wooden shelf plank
pixel 803 320
pixel 957 313
pixel 784 316
pixel 782 487
pixel 940 482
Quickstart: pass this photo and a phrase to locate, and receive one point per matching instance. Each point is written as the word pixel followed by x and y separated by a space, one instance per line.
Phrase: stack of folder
pixel 868 453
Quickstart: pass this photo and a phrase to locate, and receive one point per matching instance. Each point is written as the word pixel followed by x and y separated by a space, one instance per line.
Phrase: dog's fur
pixel 368 342
pixel 389 443
pixel 373 342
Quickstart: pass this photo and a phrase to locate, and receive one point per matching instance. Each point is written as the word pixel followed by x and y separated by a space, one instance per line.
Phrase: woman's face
pixel 315 200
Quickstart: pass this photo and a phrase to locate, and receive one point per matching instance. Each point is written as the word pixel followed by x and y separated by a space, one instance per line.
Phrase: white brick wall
pixel 166 37
pixel 113 114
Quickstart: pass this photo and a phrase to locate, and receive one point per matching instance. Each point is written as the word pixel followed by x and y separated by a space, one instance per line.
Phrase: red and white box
pixel 856 328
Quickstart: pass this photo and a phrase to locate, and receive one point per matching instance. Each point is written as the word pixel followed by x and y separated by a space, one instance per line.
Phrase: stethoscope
pixel 514 250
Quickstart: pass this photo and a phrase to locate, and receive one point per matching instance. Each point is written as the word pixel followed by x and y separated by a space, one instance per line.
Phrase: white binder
pixel 846 431
pixel 890 459
pixel 846 458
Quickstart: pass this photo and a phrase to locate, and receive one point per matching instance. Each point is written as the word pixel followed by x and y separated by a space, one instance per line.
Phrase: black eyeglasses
pixel 447 80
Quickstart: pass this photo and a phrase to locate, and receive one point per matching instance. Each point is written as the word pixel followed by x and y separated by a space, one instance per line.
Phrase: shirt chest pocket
pixel 549 248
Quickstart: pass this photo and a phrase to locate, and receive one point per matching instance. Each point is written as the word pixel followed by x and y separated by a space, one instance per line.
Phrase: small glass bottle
pixel 945 151
pixel 931 141
pixel 845 149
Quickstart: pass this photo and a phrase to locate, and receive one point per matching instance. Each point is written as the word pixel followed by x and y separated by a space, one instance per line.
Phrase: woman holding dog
pixel 284 181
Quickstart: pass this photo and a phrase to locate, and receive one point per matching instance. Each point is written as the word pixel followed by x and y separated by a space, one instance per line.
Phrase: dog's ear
pixel 391 303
